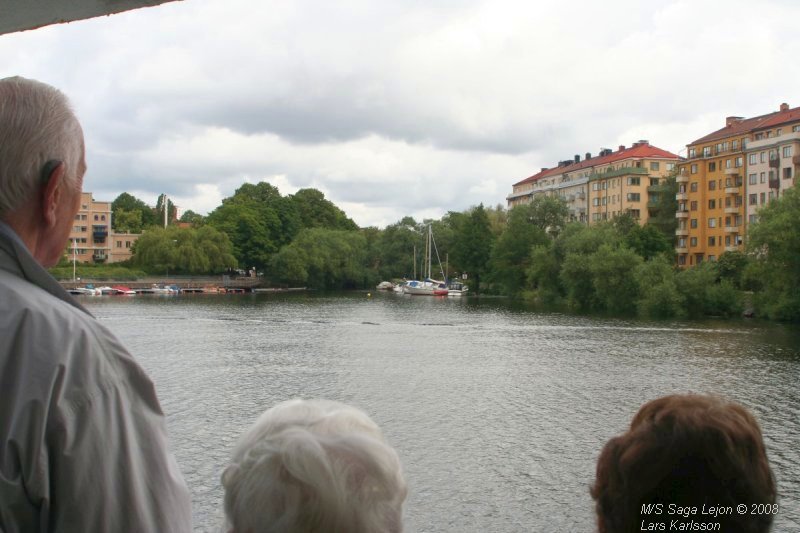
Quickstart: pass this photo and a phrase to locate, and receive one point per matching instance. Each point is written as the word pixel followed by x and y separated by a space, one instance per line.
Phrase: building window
pixel 787 151
pixel 712 222
pixel 753 219
pixel 787 173
pixel 670 166
pixel 707 151
pixel 127 244
pixel 753 199
pixel 762 157
pixel 693 241
pixel 693 223
pixel 763 198
pixel 763 177
pixel 654 165
pixel 633 181
pixel 693 186
pixel 712 166
pixel 693 205
pixel 735 144
pixel 753 179
pixel 595 201
pixel 102 217
pixel 693 168
pixel 712 241
pixel 653 181
pixel 119 244
pixel 633 197
pixel 96 218
pixel 752 159
pixel 692 153
pixel 739 162
pixel 682 242
pixel 712 204
pixel 727 163
pixel 712 185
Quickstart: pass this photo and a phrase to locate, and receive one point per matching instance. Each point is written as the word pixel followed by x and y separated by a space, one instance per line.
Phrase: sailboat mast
pixel 430 251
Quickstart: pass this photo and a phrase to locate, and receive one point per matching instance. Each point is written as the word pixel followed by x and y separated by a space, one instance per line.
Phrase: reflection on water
pixel 498 413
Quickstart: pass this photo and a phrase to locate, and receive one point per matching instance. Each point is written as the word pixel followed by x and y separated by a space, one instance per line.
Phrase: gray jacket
pixel 83 441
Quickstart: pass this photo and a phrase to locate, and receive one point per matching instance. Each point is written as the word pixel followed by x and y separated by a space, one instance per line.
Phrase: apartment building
pixel 602 187
pixel 91 238
pixel 717 181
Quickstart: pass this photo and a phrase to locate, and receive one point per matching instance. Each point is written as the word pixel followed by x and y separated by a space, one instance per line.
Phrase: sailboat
pixel 428 286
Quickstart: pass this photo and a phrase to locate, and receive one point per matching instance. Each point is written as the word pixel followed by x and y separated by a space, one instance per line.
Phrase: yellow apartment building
pixel 91 238
pixel 602 187
pixel 714 184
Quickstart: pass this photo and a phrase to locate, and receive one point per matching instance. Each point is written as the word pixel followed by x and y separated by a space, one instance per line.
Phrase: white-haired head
pixel 37 130
pixel 314 466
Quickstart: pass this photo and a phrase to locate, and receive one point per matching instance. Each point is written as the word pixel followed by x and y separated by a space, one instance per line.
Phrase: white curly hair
pixel 314 466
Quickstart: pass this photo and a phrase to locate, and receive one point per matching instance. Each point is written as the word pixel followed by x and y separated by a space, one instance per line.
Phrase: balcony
pixel 732 171
pixel 733 210
pixel 682 196
pixel 681 214
pixel 682 232
pixel 731 229
pixel 683 177
pixel 681 249
pixel 732 189
pixel 731 248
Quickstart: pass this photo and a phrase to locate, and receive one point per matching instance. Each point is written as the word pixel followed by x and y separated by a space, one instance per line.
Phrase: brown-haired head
pixel 686 450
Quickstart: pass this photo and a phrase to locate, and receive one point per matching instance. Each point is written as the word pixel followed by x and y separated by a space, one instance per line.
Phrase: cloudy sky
pixel 399 108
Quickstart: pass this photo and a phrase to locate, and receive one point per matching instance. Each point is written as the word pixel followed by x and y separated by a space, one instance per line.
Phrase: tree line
pixel 530 251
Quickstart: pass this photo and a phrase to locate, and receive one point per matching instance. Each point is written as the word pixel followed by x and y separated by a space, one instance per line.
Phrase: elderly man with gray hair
pixel 314 466
pixel 83 442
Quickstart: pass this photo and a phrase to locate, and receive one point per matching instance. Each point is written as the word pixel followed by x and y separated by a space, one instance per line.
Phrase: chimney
pixel 729 121
pixel 621 147
pixel 577 158
pixel 544 168
pixel 588 155
pixel 784 107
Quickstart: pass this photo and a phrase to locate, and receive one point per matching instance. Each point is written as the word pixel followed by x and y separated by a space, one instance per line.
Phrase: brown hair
pixel 686 450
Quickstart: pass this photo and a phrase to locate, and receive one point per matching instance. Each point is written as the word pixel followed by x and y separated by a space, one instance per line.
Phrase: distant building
pixel 91 238
pixel 605 186
pixel 728 175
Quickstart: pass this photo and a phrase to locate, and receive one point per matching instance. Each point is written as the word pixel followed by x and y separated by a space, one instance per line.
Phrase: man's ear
pixel 53 194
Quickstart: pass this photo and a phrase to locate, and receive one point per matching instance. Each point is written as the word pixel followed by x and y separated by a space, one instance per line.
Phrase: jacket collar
pixel 19 261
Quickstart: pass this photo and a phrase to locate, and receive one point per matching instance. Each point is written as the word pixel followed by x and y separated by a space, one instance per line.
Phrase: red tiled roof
pixel 638 150
pixel 742 126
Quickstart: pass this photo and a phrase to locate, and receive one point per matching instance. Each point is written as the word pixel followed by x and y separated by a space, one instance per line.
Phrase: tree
pixel 472 244
pixel 511 255
pixel 775 244
pixel 192 218
pixel 315 211
pixel 658 293
pixel 324 259
pixel 550 213
pixel 184 250
pixel 128 203
pixel 615 286
pixel 648 241
pixel 663 205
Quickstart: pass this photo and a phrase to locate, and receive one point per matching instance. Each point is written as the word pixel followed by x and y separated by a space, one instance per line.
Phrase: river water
pixel 497 412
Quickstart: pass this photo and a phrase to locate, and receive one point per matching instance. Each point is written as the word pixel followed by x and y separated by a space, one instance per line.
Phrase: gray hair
pixel 314 466
pixel 37 126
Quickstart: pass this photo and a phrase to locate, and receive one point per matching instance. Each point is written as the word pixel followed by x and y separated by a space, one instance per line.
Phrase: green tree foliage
pixel 472 245
pixel 615 287
pixel 659 296
pixel 258 221
pixel 395 249
pixel 324 259
pixel 124 215
pixel 550 213
pixel 159 210
pixel 511 255
pixel 183 251
pixel 648 241
pixel 663 206
pixel 731 267
pixel 314 211
pixel 543 274
pixel 704 296
pixel 192 218
pixel 498 219
pixel 775 244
